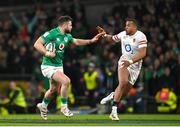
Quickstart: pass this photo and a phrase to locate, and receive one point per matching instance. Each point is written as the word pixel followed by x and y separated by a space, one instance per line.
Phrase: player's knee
pixel 52 90
pixel 68 81
pixel 65 80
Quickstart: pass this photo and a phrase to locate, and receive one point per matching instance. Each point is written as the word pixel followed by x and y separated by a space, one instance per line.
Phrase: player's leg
pixel 110 97
pixel 46 100
pixel 64 83
pixel 127 77
pixel 49 93
pixel 123 75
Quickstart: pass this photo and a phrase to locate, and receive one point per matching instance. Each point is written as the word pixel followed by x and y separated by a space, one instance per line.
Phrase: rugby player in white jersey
pixel 133 46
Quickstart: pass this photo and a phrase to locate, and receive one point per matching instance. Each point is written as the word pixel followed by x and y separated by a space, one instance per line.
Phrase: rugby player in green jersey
pixel 52 45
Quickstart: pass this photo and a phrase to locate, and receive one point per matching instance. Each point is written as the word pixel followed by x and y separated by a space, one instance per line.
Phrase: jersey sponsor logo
pixel 128 48
pixel 65 39
pixel 61 46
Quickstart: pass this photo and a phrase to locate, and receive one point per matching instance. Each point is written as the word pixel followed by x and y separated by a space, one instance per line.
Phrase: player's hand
pixel 125 63
pixel 51 54
pixel 96 38
pixel 100 29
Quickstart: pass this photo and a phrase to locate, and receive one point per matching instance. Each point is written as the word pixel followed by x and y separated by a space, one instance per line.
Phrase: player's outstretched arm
pixel 105 36
pixel 88 41
pixel 39 46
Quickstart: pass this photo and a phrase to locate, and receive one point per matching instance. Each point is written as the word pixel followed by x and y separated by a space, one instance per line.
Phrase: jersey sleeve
pixel 117 37
pixel 142 41
pixel 70 38
pixel 47 37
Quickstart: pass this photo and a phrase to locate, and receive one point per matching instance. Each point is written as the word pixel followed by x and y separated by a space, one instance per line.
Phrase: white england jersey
pixel 130 46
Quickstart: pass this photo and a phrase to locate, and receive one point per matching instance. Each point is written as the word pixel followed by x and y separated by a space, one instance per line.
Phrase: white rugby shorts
pixel 48 71
pixel 134 70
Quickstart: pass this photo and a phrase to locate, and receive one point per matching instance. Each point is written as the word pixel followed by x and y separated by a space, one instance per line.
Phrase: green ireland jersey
pixel 55 39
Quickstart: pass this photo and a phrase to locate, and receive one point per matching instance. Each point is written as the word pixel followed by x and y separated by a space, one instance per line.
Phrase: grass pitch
pixel 91 120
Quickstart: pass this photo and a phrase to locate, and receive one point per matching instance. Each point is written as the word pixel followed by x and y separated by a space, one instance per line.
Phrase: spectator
pixel 25 27
pixel 166 100
pixel 91 82
pixel 17 103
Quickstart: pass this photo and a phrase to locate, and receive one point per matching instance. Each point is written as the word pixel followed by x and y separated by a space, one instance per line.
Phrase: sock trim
pixel 45 101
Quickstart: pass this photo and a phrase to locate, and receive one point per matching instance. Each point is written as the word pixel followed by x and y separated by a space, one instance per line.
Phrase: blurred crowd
pixel 93 68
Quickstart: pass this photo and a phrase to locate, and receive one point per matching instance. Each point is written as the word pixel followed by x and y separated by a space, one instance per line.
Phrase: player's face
pixel 68 27
pixel 130 27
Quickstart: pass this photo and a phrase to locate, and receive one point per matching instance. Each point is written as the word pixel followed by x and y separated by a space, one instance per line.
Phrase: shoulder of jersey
pixel 68 34
pixel 53 30
pixel 123 33
pixel 140 33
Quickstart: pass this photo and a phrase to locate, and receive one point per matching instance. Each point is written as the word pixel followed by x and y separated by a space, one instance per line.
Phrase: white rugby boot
pixel 107 98
pixel 65 111
pixel 43 110
pixel 114 115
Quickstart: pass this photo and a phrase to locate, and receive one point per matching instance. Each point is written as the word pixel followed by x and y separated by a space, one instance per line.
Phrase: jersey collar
pixel 58 29
pixel 133 34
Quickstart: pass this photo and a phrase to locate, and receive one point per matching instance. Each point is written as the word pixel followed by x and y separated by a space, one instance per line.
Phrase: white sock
pixel 114 110
pixel 63 105
pixel 44 104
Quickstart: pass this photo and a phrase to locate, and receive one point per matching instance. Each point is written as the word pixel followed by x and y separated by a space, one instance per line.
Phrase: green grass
pixel 97 120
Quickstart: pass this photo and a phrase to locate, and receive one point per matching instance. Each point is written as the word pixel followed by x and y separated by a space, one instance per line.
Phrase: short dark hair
pixel 63 19
pixel 133 20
